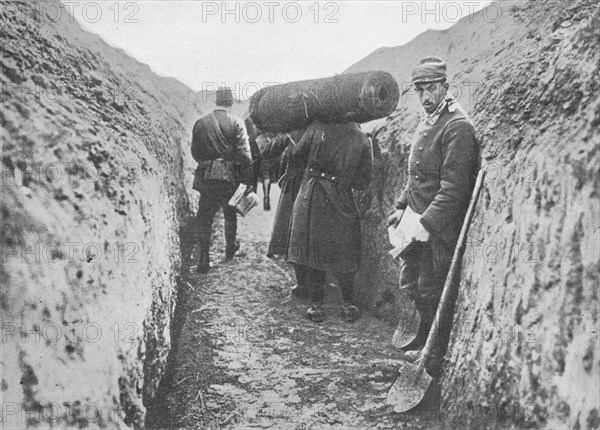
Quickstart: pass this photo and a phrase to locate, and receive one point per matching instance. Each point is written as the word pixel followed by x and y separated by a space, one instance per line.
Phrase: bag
pixel 215 170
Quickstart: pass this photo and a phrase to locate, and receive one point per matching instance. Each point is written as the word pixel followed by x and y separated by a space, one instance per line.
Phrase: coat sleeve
pixel 364 173
pixel 196 143
pixel 402 202
pixel 459 146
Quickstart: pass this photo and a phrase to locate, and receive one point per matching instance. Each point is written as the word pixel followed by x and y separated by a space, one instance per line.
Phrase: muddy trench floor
pixel 247 357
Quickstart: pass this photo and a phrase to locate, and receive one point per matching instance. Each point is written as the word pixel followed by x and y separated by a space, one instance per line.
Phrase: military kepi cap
pixel 224 96
pixel 430 69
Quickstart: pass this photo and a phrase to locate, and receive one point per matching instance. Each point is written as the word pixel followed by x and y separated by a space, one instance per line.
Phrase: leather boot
pixel 203 258
pixel 349 312
pixel 425 321
pixel 315 313
pixel 230 250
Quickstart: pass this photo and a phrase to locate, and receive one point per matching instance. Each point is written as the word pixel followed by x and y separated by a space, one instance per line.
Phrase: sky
pixel 242 44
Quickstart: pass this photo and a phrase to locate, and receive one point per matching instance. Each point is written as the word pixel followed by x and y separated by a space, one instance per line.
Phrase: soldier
pixel 269 167
pixel 220 146
pixel 325 231
pixel 293 167
pixel 253 133
pixel 443 165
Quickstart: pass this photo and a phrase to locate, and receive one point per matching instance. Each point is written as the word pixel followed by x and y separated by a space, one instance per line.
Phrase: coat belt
pixel 326 176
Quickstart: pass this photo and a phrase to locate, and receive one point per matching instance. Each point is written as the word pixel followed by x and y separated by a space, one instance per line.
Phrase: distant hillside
pixel 467 47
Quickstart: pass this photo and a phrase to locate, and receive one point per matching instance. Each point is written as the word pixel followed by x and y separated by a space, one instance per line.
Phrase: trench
pixel 244 355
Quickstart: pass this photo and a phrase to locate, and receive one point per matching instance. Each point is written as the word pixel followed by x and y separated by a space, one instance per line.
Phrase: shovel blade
pixel 407 329
pixel 410 387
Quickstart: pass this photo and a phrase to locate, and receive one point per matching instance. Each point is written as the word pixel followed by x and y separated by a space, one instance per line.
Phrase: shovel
pixel 413 381
pixel 403 335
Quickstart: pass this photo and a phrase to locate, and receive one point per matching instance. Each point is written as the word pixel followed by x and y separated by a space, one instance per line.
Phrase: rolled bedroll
pixel 357 97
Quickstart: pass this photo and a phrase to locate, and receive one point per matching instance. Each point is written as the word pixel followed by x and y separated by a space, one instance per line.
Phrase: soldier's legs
pixel 409 274
pixel 207 207
pixel 436 260
pixel 410 270
pixel 231 244
pixel 267 193
pixel 346 282
pixel 315 280
pixel 350 312
pixel 300 271
pixel 301 288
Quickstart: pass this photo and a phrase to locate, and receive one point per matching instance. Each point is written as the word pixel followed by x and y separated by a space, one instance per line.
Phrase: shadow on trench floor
pixel 248 358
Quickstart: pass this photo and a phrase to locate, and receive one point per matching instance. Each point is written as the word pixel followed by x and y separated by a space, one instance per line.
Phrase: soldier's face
pixel 431 94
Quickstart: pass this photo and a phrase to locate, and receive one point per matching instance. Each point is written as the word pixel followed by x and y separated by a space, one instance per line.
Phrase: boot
pixel 426 319
pixel 350 312
pixel 315 313
pixel 203 258
pixel 230 250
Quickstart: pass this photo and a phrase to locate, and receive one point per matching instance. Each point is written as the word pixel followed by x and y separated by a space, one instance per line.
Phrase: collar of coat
pixel 452 105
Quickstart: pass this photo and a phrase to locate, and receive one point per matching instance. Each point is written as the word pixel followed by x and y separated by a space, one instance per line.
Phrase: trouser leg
pixel 207 208
pixel 300 271
pixel 434 265
pixel 230 218
pixel 412 265
pixel 315 280
pixel 409 274
pixel 255 174
pixel 266 193
pixel 301 289
pixel 346 282
pixel 436 260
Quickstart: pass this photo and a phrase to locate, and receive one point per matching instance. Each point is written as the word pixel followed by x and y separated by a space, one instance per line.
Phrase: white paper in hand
pixel 237 196
pixel 243 203
pixel 406 232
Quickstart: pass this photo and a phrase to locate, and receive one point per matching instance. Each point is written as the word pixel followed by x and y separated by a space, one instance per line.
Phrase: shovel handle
pixel 456 258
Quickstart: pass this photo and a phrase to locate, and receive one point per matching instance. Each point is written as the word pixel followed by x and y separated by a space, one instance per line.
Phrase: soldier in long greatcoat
pixel 325 232
pixel 293 166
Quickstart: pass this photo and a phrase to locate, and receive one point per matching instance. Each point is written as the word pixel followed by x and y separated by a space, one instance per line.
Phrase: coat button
pixel 416 176
pixel 420 148
pixel 424 133
pixel 418 162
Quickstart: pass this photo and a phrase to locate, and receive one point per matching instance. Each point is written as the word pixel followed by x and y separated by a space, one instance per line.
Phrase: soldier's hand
pixel 394 219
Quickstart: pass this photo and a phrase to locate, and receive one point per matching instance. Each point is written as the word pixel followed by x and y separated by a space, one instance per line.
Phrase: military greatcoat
pixel 325 231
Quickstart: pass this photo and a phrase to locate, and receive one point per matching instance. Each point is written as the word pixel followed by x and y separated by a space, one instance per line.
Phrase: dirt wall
pixel 524 349
pixel 525 345
pixel 94 161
